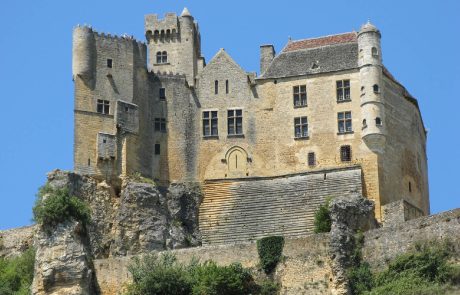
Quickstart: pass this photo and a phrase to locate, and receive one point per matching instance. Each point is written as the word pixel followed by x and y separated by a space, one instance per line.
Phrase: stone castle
pixel 324 118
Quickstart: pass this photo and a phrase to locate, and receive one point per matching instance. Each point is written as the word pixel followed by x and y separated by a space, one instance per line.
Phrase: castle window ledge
pixel 235 136
pixel 162 64
pixel 346 132
pixel 209 137
pixel 94 113
pixel 300 106
pixel 302 138
pixel 343 100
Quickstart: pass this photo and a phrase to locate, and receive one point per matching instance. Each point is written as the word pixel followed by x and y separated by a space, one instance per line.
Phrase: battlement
pixel 109 36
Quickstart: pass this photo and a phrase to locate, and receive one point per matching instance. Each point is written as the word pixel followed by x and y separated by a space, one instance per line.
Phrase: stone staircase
pixel 248 209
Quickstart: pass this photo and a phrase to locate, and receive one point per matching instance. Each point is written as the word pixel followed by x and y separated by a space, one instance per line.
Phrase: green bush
pixel 425 271
pixel 54 206
pixel 16 274
pixel 163 274
pixel 270 250
pixel 322 220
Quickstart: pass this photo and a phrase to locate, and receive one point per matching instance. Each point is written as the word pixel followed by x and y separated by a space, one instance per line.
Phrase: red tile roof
pixel 321 41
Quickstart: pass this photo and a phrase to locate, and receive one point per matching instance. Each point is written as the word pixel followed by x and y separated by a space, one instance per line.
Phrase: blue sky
pixel 420 46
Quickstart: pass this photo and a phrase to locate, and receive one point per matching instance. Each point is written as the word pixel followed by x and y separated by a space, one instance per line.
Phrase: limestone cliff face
pixel 62 263
pixel 126 219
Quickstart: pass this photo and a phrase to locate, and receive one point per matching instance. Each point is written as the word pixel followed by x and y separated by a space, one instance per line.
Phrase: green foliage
pixel 268 287
pixel 322 220
pixel 425 271
pixel 16 274
pixel 54 206
pixel 163 274
pixel 360 278
pixel 211 279
pixel 137 177
pixel 270 250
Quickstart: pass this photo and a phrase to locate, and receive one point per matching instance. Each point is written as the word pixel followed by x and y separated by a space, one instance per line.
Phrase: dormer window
pixel 162 57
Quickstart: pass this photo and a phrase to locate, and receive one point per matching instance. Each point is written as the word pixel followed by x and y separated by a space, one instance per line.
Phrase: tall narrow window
pixel 210 123
pixel 162 93
pixel 311 159
pixel 345 153
pixel 162 57
pixel 235 122
pixel 103 106
pixel 109 63
pixel 300 127
pixel 157 149
pixel 343 90
pixel 216 87
pixel 410 187
pixel 226 86
pixel 300 95
pixel 344 122
pixel 160 124
pixel 378 121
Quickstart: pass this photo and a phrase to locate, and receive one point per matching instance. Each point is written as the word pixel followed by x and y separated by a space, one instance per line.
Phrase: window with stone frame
pixel 311 159
pixel 235 122
pixel 343 90
pixel 344 122
pixel 162 57
pixel 162 93
pixel 160 124
pixel 345 153
pixel 300 95
pixel 109 63
pixel 301 127
pixel 216 87
pixel 226 87
pixel 210 123
pixel 103 106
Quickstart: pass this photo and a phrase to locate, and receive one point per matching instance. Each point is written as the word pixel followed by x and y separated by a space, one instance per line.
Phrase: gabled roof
pixel 222 56
pixel 321 41
pixel 320 59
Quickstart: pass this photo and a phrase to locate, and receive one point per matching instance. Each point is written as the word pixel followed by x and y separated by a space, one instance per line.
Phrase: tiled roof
pixel 321 41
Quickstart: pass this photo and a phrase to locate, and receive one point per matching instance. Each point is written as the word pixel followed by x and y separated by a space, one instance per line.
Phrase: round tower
pixel 83 53
pixel 372 90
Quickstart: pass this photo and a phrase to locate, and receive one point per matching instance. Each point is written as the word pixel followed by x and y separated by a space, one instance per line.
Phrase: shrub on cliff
pixel 322 220
pixel 270 250
pixel 16 274
pixel 54 206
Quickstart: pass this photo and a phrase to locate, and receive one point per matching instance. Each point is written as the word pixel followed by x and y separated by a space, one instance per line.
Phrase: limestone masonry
pixel 323 118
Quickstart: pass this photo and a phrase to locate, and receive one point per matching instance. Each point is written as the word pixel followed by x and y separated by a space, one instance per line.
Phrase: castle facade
pixel 321 106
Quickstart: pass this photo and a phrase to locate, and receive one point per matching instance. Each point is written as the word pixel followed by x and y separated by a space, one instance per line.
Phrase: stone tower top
pixel 368 27
pixel 186 13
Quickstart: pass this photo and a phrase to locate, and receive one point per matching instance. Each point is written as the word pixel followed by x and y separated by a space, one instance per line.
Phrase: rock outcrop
pixel 62 261
pixel 348 215
pixel 15 241
pixel 126 219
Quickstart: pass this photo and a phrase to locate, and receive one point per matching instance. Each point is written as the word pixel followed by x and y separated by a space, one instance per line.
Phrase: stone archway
pixel 237 162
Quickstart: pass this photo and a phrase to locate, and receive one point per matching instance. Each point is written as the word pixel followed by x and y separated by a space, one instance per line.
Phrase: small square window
pixel 103 106
pixel 109 63
pixel 160 124
pixel 157 149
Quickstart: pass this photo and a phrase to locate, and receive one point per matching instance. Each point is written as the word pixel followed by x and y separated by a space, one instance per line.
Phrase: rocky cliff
pixel 134 217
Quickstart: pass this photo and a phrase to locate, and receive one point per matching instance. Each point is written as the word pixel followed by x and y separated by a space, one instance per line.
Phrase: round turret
pixel 185 13
pixel 372 90
pixel 83 52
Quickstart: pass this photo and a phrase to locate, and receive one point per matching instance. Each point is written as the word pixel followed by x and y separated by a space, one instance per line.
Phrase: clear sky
pixel 420 46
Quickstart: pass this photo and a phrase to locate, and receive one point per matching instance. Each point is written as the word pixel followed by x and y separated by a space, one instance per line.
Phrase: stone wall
pixel 306 269
pixel 15 241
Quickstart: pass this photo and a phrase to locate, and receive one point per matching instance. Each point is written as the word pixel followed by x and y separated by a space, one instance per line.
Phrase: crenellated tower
pixel 372 92
pixel 174 44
